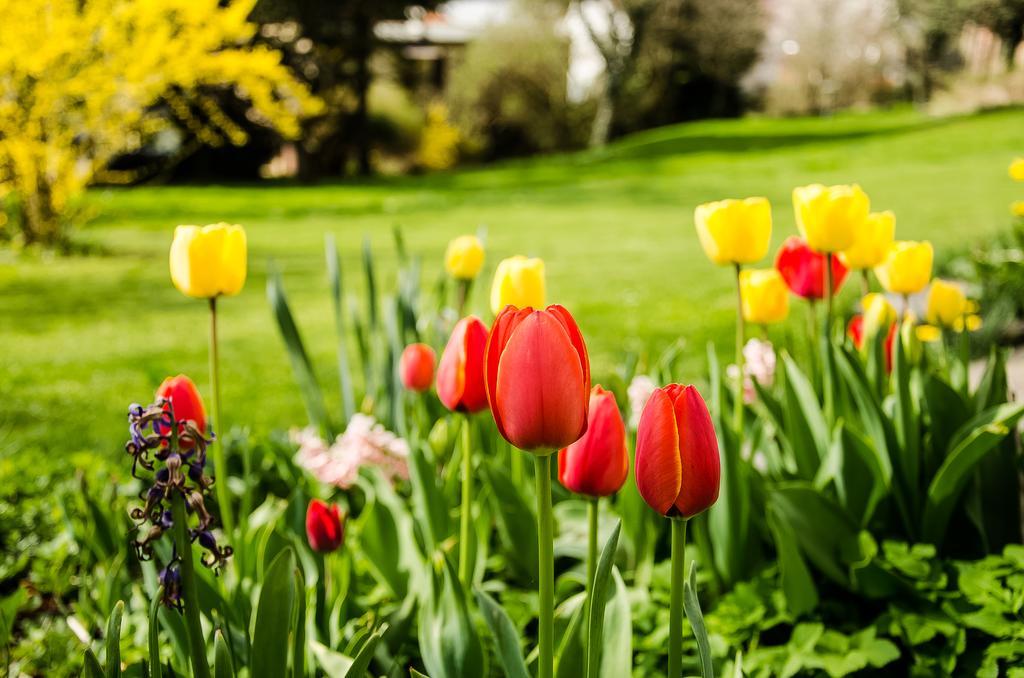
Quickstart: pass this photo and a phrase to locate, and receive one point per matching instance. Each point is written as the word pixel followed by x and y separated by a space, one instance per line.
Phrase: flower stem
pixel 828 380
pixel 675 619
pixel 829 287
pixel 738 404
pixel 466 510
pixel 545 568
pixel 197 644
pixel 592 513
pixel 220 467
pixel 865 282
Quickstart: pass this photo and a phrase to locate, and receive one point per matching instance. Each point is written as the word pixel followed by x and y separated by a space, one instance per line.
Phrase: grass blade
pixel 335 279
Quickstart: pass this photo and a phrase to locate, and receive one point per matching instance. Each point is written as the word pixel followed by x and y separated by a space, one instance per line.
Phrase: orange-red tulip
pixel 186 401
pixel 596 465
pixel 677 463
pixel 855 330
pixel 416 367
pixel 325 528
pixel 460 376
pixel 803 269
pixel 538 378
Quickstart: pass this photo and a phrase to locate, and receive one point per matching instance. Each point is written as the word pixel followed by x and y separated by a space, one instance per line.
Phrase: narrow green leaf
pixel 617 650
pixel 335 279
pixel 371 283
pixel 517 526
pixel 976 439
pixel 693 615
pixel 299 626
pixel 223 667
pixel 92 667
pixel 448 640
pixel 302 368
pixel 598 598
pixel 155 667
pixel 797 582
pixel 569 655
pixel 273 618
pixel 505 635
pixel 113 667
pixel 907 427
pixel 801 398
pixel 361 662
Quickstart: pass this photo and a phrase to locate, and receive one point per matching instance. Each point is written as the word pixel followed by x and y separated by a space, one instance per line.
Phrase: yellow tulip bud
pixel 765 296
pixel 1017 208
pixel 518 281
pixel 947 304
pixel 973 323
pixel 912 348
pixel 928 334
pixel 907 267
pixel 464 257
pixel 872 241
pixel 879 314
pixel 734 231
pixel 830 217
pixel 1017 169
pixel 209 261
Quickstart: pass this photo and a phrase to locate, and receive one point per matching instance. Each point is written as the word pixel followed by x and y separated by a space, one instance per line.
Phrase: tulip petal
pixel 506 322
pixel 698 451
pixel 658 466
pixel 539 375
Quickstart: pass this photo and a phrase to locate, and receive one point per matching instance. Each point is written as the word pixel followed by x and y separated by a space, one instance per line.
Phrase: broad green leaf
pixel 797 582
pixel 598 598
pixel 334 664
pixel 908 433
pixel 113 664
pixel 992 389
pixel 805 422
pixel 865 482
pixel 302 368
pixel 223 667
pixel 272 626
pixel 155 667
pixel 299 626
pixel 447 635
pixel 977 438
pixel 947 412
pixel 617 648
pixel 693 615
pixel 517 526
pixel 431 508
pixel 505 635
pixel 335 279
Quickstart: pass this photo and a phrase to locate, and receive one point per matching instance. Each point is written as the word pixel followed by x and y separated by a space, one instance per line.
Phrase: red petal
pixel 698 448
pixel 658 467
pixel 504 324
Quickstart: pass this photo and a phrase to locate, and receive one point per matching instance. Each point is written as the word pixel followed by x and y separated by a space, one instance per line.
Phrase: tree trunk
pixel 362 83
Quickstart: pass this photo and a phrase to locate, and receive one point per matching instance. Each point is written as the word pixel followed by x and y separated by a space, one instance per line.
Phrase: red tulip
pixel 677 463
pixel 416 367
pixel 325 529
pixel 803 269
pixel 187 404
pixel 538 378
pixel 460 376
pixel 855 330
pixel 597 463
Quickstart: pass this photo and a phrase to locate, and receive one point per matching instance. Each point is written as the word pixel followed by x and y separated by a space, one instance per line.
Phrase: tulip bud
pixel 325 527
pixel 734 231
pixel 185 400
pixel 596 465
pixel 518 282
pixel 872 242
pixel 209 261
pixel 416 367
pixel 464 257
pixel 912 348
pixel 765 296
pixel 829 217
pixel 677 464
pixel 460 375
pixel 538 378
pixel 803 269
pixel 1017 169
pixel 947 303
pixel 907 267
pixel 878 313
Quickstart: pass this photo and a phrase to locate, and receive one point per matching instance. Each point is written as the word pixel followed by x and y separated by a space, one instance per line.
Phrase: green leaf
pixel 908 433
pixel 371 282
pixel 505 635
pixel 617 648
pixel 693 615
pixel 431 510
pixel 113 666
pixel 273 618
pixel 447 635
pixel 299 626
pixel 797 582
pixel 302 368
pixel 975 439
pixel 517 526
pixel 155 668
pixel 334 278
pixel 992 389
pixel 805 424
pixel 569 655
pixel 223 668
pixel 334 664
pixel 947 412
pixel 92 666
pixel 365 653
pixel 598 598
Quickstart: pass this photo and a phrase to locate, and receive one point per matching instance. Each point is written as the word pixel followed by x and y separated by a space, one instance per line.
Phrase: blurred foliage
pixel 64 115
pixel 439 144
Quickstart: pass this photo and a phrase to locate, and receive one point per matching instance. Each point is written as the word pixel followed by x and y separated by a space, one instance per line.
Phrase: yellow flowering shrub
pixel 439 144
pixel 83 81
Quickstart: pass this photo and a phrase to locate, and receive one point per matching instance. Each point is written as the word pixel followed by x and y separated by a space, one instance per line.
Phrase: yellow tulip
pixel 464 257
pixel 1017 208
pixel 209 261
pixel 872 242
pixel 765 296
pixel 734 231
pixel 973 323
pixel 1017 169
pixel 928 334
pixel 518 281
pixel 830 217
pixel 907 267
pixel 947 304
pixel 879 314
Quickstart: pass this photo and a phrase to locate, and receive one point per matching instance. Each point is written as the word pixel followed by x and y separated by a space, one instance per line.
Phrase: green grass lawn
pixel 82 337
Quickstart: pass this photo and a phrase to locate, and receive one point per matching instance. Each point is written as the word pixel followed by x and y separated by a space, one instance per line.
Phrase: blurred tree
pixel 332 42
pixel 929 29
pixel 83 81
pixel 1005 18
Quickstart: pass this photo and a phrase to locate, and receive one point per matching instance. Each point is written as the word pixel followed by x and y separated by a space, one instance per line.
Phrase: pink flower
pixel 758 363
pixel 364 443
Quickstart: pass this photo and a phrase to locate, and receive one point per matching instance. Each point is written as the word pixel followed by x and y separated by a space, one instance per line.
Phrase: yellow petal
pixel 830 217
pixel 734 231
